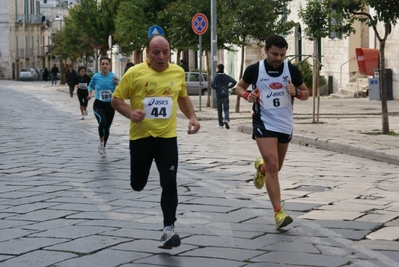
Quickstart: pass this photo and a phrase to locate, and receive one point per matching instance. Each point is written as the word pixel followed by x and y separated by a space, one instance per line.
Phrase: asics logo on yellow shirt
pixel 158 102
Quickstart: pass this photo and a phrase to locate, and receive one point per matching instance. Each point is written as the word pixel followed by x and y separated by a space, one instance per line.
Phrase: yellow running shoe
pixel 259 178
pixel 282 219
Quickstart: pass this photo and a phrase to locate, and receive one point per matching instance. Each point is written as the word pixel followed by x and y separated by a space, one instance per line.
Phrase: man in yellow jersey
pixel 155 88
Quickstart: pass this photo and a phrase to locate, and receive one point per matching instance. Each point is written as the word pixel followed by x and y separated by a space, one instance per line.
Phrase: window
pixel 333 22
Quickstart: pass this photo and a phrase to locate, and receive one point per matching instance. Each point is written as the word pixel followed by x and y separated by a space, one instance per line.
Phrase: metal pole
pixel 213 50
pixel 200 71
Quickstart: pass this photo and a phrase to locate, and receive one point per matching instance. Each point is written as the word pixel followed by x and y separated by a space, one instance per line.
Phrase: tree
pixel 96 20
pixel 133 20
pixel 386 12
pixel 241 20
pixel 316 17
pixel 179 30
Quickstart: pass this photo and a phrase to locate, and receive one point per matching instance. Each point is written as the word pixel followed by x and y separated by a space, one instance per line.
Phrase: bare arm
pixel 186 107
pixel 124 109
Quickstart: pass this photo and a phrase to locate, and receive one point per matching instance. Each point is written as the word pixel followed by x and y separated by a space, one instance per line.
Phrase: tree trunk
pixel 314 77
pixel 62 71
pixel 241 71
pixel 383 89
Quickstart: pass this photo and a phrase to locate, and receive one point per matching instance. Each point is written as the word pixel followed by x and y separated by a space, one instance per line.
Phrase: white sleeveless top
pixel 275 103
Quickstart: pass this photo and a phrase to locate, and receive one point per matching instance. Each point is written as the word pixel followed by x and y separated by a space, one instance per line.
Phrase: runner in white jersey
pixel 276 84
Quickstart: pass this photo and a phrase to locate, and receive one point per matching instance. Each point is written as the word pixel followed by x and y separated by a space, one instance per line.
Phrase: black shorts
pixel 260 131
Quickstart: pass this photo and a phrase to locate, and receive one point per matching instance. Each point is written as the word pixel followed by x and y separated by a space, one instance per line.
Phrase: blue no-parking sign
pixel 199 23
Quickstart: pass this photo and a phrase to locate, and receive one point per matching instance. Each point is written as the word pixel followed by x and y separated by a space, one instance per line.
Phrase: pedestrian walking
pixel 81 82
pixel 70 76
pixel 155 89
pixel 129 64
pixel 222 82
pixel 277 83
pixel 54 72
pixel 104 83
pixel 45 74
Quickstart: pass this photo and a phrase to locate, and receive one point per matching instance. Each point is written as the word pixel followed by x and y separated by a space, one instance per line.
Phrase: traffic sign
pixel 95 43
pixel 199 23
pixel 155 29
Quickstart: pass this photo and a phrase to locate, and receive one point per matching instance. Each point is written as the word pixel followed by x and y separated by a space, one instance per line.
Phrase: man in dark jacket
pixel 70 79
pixel 222 82
pixel 128 65
pixel 54 72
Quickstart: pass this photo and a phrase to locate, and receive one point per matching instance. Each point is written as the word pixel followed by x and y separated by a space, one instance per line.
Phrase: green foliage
pixel 256 19
pixel 316 17
pixel 179 15
pixel 305 68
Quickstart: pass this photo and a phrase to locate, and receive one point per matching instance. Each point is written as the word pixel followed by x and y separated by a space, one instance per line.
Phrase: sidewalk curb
pixel 334 146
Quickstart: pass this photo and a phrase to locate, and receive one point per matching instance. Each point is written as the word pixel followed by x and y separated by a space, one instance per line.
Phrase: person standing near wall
pixel 222 82
pixel 54 73
pixel 70 76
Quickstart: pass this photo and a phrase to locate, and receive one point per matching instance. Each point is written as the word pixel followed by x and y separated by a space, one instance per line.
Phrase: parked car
pixel 39 74
pixel 28 74
pixel 193 85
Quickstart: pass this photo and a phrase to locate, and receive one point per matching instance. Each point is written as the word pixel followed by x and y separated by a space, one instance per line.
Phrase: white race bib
pixel 275 98
pixel 82 86
pixel 158 107
pixel 105 95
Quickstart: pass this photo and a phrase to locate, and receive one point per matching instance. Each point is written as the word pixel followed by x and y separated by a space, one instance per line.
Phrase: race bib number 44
pixel 158 107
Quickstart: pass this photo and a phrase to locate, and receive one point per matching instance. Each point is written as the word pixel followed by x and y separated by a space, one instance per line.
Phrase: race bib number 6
pixel 158 107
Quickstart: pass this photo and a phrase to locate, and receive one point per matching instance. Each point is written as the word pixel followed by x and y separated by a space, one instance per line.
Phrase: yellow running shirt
pixel 156 93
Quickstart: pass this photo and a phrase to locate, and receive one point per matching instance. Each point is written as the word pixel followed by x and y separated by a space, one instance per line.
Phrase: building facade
pixel 26 27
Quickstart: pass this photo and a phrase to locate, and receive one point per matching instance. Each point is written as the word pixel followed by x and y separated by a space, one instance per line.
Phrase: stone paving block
pixel 351 234
pixel 371 263
pixel 51 224
pixel 393 255
pixel 171 261
pixel 386 233
pixel 348 224
pixel 301 259
pixel 72 232
pixel 24 245
pixel 106 258
pixel 380 217
pixel 24 208
pixel 378 244
pixel 221 241
pixel 293 246
pixel 151 247
pixel 331 215
pixel 137 233
pixel 241 255
pixel 42 215
pixel 88 244
pixel 12 223
pixel 335 251
pixel 393 223
pixel 14 233
pixel 123 224
pixel 38 258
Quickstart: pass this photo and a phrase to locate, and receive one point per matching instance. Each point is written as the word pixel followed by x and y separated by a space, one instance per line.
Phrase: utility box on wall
pixel 374 85
pixel 367 60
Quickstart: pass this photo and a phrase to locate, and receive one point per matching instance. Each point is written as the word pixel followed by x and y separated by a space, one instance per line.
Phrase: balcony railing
pixel 29 19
